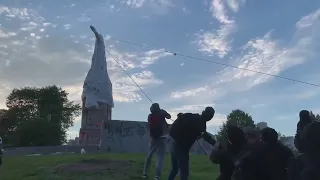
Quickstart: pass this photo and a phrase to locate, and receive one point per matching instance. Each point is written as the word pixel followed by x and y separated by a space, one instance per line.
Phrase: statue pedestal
pixel 92 123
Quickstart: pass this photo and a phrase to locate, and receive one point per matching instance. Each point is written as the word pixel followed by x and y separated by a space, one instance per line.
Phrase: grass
pixel 45 167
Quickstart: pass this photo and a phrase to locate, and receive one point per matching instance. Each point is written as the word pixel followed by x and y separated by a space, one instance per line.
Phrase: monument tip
pixel 93 29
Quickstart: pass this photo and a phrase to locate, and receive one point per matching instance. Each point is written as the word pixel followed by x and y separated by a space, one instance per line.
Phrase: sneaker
pixel 156 178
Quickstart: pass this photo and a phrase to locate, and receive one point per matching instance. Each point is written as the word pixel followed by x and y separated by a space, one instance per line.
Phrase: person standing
pixel 183 133
pixel 306 166
pixel 305 119
pixel 157 128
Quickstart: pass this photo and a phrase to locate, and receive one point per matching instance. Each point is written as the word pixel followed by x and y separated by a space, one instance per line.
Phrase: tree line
pixel 37 116
pixel 242 119
pixel 41 117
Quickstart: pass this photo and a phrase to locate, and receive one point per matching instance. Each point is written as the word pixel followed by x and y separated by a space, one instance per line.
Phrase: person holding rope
pixel 157 129
pixel 183 133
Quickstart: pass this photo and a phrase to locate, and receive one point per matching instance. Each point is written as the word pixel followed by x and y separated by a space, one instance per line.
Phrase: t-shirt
pixel 186 129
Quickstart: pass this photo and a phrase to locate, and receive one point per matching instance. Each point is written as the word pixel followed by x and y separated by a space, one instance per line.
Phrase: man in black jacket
pixel 183 133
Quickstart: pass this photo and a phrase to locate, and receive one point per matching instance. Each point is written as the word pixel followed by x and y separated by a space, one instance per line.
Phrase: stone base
pixel 89 136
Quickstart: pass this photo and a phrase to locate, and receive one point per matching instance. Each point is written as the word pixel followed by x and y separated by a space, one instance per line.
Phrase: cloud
pixel 33 57
pixel 124 90
pixel 84 18
pixel 216 42
pixel 141 3
pixel 157 6
pixel 67 26
pixel 217 120
pixel 72 134
pixel 264 54
pixel 218 9
pixel 189 93
pixel 151 56
pixel 234 4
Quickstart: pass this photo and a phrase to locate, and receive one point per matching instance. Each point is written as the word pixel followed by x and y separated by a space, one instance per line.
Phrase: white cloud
pixel 308 20
pixel 72 134
pixel 216 42
pixel 20 13
pixel 124 90
pixel 188 93
pixel 84 18
pixel 218 9
pixel 234 4
pixel 6 34
pixel 135 3
pixel 266 55
pixel 60 61
pixel 151 56
pixel 67 26
pixel 157 6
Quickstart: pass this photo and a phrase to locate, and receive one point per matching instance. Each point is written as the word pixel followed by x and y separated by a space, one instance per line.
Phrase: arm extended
pixel 166 114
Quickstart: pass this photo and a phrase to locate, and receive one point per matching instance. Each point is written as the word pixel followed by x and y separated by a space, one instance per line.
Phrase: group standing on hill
pixel 246 154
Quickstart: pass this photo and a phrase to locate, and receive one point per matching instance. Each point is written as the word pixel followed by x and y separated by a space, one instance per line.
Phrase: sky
pixel 49 43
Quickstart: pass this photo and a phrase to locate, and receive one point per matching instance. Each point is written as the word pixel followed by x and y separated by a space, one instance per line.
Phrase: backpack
pixel 156 125
pixel 310 170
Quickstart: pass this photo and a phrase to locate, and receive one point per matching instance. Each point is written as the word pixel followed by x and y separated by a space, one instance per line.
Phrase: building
pixel 97 100
pixel 262 125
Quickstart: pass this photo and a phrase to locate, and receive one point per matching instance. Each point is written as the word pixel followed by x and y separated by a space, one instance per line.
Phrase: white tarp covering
pixel 97 86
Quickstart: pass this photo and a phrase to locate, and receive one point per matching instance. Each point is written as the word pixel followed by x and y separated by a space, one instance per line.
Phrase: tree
pixel 314 117
pixel 39 116
pixel 237 117
pixel 281 137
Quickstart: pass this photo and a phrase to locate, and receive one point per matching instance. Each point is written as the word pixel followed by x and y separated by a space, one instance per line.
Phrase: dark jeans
pixel 179 161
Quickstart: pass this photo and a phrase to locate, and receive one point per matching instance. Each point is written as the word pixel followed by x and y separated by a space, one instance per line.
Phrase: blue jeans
pixel 179 161
pixel 157 146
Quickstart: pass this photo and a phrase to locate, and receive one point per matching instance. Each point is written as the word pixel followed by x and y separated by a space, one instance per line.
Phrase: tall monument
pixel 97 100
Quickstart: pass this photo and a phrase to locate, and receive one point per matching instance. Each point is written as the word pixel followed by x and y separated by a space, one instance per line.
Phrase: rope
pixel 143 90
pixel 215 62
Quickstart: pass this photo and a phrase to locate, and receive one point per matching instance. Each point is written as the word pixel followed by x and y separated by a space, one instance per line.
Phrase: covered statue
pixel 97 87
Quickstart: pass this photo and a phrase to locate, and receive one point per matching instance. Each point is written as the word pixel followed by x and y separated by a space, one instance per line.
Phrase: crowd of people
pixel 246 153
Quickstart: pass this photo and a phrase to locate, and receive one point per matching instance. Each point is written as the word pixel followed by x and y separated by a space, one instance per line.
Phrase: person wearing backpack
pixel 157 129
pixel 306 166
pixel 183 133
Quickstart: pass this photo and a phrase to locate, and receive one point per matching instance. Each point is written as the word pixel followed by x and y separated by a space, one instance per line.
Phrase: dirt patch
pixel 95 166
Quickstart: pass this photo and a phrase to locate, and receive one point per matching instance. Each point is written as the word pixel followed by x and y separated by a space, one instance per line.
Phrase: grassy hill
pixel 94 167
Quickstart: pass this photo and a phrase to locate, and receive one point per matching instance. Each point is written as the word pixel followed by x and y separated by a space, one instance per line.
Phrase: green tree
pixel 237 117
pixel 314 117
pixel 41 116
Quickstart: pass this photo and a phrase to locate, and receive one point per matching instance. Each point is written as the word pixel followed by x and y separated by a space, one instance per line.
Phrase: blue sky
pixel 45 43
